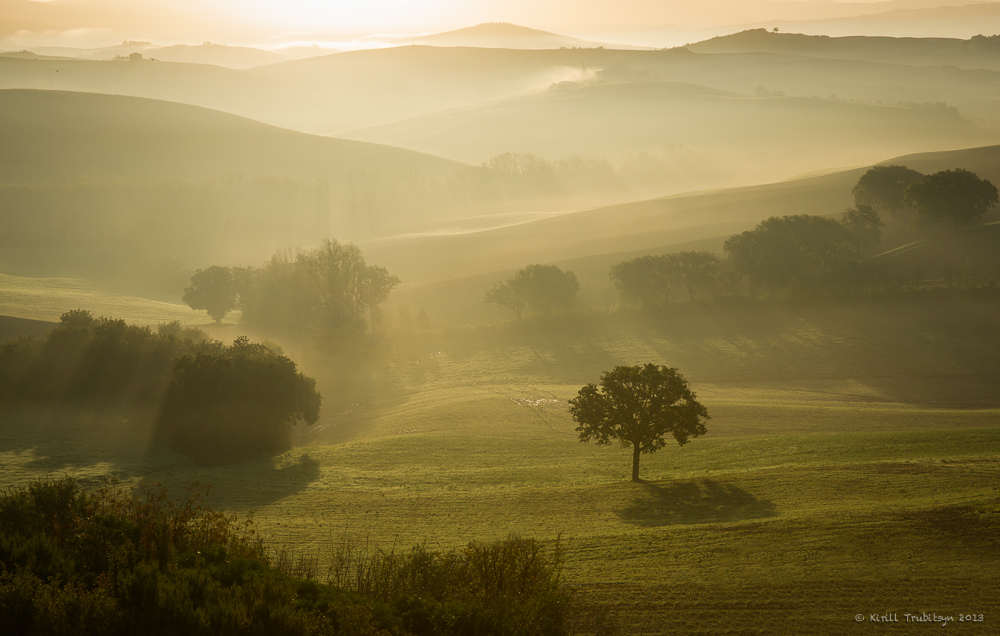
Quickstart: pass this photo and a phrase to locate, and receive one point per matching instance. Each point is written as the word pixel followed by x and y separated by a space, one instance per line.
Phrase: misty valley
pixel 499 331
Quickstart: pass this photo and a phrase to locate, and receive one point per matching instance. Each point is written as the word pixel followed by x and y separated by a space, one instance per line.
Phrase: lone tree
pixel 638 406
pixel 958 195
pixel 213 290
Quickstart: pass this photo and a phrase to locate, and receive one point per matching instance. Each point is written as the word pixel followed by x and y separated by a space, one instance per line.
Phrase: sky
pixel 261 21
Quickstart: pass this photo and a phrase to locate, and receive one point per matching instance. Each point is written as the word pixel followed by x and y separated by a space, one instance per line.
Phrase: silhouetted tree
pixel 866 225
pixel 956 195
pixel 211 289
pixel 802 249
pixel 643 279
pixel 693 270
pixel 540 287
pixel 638 406
pixel 506 294
pixel 235 404
pixel 882 187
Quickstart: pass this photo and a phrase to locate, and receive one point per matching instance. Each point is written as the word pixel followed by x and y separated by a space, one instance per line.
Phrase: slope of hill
pixel 217 54
pixel 591 240
pixel 232 91
pixel 727 137
pixel 130 189
pixel 962 21
pixel 501 35
pixel 977 52
pixel 53 136
pixel 332 93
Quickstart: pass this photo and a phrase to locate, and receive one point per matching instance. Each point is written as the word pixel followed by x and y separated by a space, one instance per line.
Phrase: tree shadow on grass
pixel 248 485
pixel 694 502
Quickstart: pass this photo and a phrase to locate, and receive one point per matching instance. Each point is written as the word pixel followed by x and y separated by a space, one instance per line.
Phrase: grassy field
pixel 852 465
pixel 48 298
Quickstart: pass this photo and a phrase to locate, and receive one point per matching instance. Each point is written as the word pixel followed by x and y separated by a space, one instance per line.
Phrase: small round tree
pixel 213 290
pixel 638 406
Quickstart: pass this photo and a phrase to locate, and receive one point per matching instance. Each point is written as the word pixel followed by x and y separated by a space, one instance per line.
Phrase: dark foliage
pixel 958 196
pixel 326 289
pixel 542 288
pixel 211 289
pixel 638 406
pixel 113 563
pixel 89 359
pixel 647 280
pixel 234 404
pixel 800 253
pixel 882 187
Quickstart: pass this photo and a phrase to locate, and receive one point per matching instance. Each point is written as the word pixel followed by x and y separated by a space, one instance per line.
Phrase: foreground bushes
pixel 112 562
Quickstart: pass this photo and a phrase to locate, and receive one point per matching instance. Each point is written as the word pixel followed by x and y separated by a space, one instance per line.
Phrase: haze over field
pixel 375 270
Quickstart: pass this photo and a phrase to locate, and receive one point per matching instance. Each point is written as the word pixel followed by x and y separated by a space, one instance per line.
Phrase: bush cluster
pixel 112 562
pixel 95 360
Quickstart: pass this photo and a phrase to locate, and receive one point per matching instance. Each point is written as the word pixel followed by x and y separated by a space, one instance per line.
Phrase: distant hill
pixel 961 21
pixel 236 57
pixel 715 137
pixel 111 187
pixel 973 53
pixel 501 35
pixel 54 136
pixel 594 239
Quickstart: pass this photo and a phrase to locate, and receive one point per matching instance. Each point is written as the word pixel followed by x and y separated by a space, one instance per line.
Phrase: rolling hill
pixel 588 242
pixel 502 35
pixel 979 52
pixel 56 136
pixel 727 138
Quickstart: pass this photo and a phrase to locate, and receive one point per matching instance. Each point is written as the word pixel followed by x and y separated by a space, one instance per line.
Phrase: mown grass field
pixel 852 464
pixel 48 298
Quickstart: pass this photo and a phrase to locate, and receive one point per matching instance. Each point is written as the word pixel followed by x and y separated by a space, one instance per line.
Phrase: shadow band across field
pixel 694 502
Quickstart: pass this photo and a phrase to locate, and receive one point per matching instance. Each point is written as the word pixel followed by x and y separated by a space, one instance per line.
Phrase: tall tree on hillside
pixel 344 285
pixel 882 187
pixel 213 290
pixel 638 406
pixel 956 195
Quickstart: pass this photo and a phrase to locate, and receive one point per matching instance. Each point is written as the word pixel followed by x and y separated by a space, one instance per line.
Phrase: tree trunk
pixel 635 461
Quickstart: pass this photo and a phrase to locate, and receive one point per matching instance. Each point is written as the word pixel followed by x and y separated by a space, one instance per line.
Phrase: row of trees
pixel 956 196
pixel 217 404
pixel 808 253
pixel 327 288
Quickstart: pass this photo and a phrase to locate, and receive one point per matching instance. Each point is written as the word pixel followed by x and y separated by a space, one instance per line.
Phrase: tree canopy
pixel 647 280
pixel 638 406
pixel 211 289
pixel 866 225
pixel 956 195
pixel 235 404
pixel 882 187
pixel 327 288
pixel 543 288
pixel 801 251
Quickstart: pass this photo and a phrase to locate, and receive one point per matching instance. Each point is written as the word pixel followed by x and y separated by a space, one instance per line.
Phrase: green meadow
pixel 851 465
